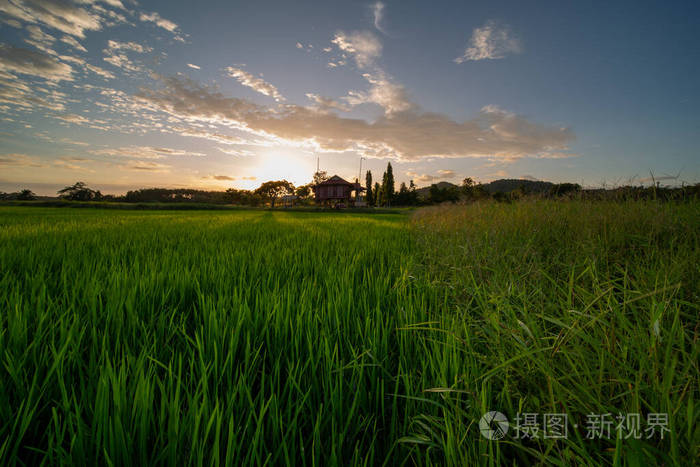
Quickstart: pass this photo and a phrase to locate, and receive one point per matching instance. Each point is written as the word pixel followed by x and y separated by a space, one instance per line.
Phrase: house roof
pixel 335 180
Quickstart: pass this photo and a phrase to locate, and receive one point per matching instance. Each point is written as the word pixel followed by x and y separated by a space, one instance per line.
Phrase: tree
pixel 26 195
pixel 468 187
pixel 377 194
pixel 440 195
pixel 406 196
pixel 303 191
pixel 368 184
pixel 79 192
pixel 274 189
pixel 320 176
pixel 388 185
pixel 242 197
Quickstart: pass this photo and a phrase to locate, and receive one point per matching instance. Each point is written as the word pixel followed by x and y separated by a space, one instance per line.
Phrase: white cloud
pixel 70 40
pixel 63 16
pixel 100 71
pixel 392 97
pixel 407 135
pixel 326 103
pixel 161 22
pixel 38 35
pixel 363 45
pixel 13 91
pixel 144 152
pixel 132 46
pixel 30 62
pixel 428 178
pixel 73 118
pixel 196 67
pixel 378 13
pixel 489 42
pixel 120 60
pixel 146 166
pixel 19 160
pixel 255 83
pixel 236 152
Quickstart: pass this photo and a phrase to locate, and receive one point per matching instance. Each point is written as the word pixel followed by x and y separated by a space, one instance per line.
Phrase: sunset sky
pixel 213 95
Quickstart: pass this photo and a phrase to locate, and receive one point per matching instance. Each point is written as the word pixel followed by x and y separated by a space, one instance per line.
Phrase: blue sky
pixel 230 94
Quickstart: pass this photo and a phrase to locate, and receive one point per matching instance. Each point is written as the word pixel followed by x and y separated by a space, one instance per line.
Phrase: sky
pixel 220 94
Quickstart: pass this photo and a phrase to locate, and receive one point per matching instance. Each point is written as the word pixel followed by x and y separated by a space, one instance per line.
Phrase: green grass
pixel 266 337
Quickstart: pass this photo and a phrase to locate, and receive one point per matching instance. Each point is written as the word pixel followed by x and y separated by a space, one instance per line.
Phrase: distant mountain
pixel 497 186
pixel 508 185
pixel 425 191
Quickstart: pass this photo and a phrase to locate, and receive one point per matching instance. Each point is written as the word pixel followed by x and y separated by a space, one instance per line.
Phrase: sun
pixel 289 164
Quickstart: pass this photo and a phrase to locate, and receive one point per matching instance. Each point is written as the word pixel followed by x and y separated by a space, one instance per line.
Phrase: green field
pixel 271 337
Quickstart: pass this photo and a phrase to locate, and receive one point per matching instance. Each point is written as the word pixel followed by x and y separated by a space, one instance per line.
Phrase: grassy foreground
pixel 253 337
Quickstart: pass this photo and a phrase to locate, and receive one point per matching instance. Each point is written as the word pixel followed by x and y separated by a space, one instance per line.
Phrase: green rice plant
pixel 285 338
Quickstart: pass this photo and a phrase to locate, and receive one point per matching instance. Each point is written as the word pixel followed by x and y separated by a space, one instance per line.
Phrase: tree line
pixel 377 194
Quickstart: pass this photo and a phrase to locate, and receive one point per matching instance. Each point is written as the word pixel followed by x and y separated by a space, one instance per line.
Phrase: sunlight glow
pixel 289 164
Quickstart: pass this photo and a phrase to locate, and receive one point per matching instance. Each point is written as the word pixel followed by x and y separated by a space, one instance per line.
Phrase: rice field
pixel 284 338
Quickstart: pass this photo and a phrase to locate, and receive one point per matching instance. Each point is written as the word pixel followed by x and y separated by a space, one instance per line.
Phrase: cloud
pixel 489 42
pixel 220 137
pixel 227 178
pixel 366 50
pixel 40 39
pixel 66 17
pixel 327 103
pixel 100 71
pixel 236 152
pixel 299 45
pixel 193 66
pixel 19 160
pixel 255 83
pixel 120 60
pixel 70 163
pixel 17 93
pixel 30 62
pixel 427 178
pixel 363 45
pixel 73 118
pixel 383 92
pixel 161 22
pixel 407 135
pixel 70 40
pixel 378 13
pixel 145 166
pixel 114 3
pixel 144 152
pixel 132 46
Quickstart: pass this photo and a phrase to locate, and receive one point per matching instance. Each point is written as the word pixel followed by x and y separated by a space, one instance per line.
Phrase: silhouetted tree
pixel 407 195
pixel 440 195
pixel 26 195
pixel 243 197
pixel 273 189
pixel 377 194
pixel 303 191
pixel 388 185
pixel 320 176
pixel 368 184
pixel 79 192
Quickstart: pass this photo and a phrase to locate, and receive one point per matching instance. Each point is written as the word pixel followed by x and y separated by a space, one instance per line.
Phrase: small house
pixel 337 191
